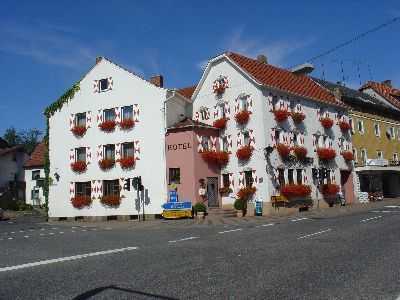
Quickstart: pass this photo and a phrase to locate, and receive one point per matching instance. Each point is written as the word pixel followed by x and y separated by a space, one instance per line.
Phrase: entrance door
pixel 346 182
pixel 212 191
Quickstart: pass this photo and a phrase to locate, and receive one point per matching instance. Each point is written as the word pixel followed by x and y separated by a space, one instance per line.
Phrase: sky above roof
pixel 47 45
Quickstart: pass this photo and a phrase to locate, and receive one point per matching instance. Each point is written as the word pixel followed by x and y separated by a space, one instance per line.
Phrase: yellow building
pixel 375 130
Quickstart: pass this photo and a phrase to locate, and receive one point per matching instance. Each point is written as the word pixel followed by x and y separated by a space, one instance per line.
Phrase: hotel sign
pixel 180 146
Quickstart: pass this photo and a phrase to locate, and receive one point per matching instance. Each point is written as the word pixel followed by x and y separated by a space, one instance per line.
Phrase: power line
pixel 356 38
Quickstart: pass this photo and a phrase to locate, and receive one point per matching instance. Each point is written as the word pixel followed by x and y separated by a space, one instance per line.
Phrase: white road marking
pixel 232 230
pixel 61 232
pixel 21 231
pixel 369 219
pixel 10 238
pixel 392 206
pixel 51 233
pixel 300 219
pixel 184 239
pixel 42 234
pixel 26 236
pixel 266 225
pixel 83 230
pixel 313 234
pixel 72 231
pixel 62 259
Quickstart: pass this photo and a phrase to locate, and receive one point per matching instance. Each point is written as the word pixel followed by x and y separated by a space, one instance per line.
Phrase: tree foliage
pixel 28 138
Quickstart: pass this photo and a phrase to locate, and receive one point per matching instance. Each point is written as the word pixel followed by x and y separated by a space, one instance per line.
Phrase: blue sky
pixel 47 45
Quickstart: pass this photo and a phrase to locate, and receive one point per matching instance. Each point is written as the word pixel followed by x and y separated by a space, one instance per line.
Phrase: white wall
pixel 127 90
pixel 31 184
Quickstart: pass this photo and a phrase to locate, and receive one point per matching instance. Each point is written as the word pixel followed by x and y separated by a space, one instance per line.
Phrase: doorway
pixel 346 182
pixel 212 191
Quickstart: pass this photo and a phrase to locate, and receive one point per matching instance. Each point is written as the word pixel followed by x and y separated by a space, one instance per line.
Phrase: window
pixel 35 174
pixel 243 103
pixel 246 138
pixel 299 175
pixel 204 142
pixel 355 155
pixel 221 110
pixel 398 133
pixel 351 125
pixel 360 126
pixel 328 176
pixel 377 129
pixel 80 119
pixel 82 188
pixel 128 150
pixel 281 177
pixel 103 85
pixel 290 176
pixel 248 178
pixel 109 114
pixel 395 157
pixel 111 187
pixel 392 133
pixel 127 112
pixel 225 144
pixel 225 180
pixel 379 154
pixel 80 154
pixel 363 156
pixel 204 113
pixel 35 194
pixel 109 152
pixel 174 175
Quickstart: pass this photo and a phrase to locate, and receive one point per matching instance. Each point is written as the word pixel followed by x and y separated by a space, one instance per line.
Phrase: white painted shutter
pixel 321 141
pixel 239 141
pixel 99 153
pixel 137 150
pixel 273 139
pixel 199 143
pixel 237 105
pixel 270 105
pixel 231 181
pixel 99 117
pixel 196 116
pixel 319 113
pixel 71 156
pixel 281 137
pixel 249 104
pixel 110 83
pixel 285 175
pixel 213 143
pixel 330 143
pixel 255 178
pixel 121 186
pixel 117 111
pixel 227 109
pixel 291 139
pixel 216 112
pixel 136 112
pixel 88 155
pixel 88 119
pixel 93 189
pixel 252 138
pixel 229 140
pixel 96 88
pixel 275 174
pixel 71 121
pixel 314 142
pixel 71 190
pixel 304 177
pixel 241 180
pixel 208 114
pixel 99 188
pixel 302 142
pixel 117 151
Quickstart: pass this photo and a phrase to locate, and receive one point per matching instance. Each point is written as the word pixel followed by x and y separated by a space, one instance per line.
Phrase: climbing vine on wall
pixel 49 112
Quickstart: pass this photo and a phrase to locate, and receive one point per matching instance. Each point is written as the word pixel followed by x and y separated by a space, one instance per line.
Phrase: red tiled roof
pixel 284 80
pixel 187 91
pixel 389 93
pixel 190 123
pixel 37 157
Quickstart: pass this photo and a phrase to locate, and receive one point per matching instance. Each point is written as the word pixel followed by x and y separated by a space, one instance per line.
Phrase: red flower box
pixel 220 158
pixel 300 151
pixel 244 152
pixel 281 115
pixel 220 123
pixel 106 163
pixel 245 193
pixel 348 155
pixel 126 124
pixel 298 117
pixel 295 190
pixel 219 90
pixel 326 153
pixel 81 201
pixel 127 162
pixel 108 125
pixel 344 125
pixel 79 130
pixel 111 200
pixel 242 117
pixel 79 166
pixel 326 122
pixel 330 189
pixel 283 150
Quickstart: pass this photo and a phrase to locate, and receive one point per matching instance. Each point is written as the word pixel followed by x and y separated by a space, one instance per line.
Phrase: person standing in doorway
pixel 202 191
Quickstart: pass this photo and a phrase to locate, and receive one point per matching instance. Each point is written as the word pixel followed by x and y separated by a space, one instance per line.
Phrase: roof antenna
pixel 323 71
pixel 370 72
pixel 359 74
pixel 342 70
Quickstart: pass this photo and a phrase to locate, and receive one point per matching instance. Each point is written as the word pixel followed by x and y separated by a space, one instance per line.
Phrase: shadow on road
pixel 96 291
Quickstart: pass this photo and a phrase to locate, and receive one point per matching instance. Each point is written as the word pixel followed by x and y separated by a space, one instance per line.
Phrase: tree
pixel 12 137
pixel 28 138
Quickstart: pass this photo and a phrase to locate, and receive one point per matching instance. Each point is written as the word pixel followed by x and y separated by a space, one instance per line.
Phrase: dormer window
pixel 103 85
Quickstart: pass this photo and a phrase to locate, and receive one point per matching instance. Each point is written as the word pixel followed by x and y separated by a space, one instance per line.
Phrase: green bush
pixel 200 207
pixel 240 204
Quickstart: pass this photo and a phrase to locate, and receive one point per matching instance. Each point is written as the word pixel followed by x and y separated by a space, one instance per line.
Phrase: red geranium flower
pixel 242 117
pixel 245 193
pixel 106 163
pixel 79 166
pixel 281 115
pixel 330 189
pixel 344 125
pixel 300 151
pixel 326 122
pixel 79 130
pixel 326 153
pixel 111 200
pixel 283 150
pixel 126 124
pixel 127 162
pixel 108 125
pixel 295 190
pixel 298 117
pixel 244 153
pixel 348 155
pixel 216 157
pixel 220 123
pixel 81 201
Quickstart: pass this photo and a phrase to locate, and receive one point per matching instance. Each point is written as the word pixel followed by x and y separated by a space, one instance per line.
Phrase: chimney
pixel 98 59
pixel 387 82
pixel 157 80
pixel 262 59
pixel 303 69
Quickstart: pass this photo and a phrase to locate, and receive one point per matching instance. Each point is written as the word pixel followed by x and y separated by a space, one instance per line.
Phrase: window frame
pixel 174 175
pixel 362 131
pixel 35 172
pixel 105 151
pixel 76 153
pixel 123 109
pixel 101 81
pixel 77 118
pixel 225 180
pixel 85 186
pixel 364 159
pixel 123 145
pixel 248 178
pixel 111 110
pixel 379 153
pixel 377 129
pixel 114 187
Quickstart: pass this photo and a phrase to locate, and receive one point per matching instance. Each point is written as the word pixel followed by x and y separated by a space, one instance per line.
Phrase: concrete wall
pixel 127 89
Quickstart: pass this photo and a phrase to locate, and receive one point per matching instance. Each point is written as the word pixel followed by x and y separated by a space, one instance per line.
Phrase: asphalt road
pixel 355 256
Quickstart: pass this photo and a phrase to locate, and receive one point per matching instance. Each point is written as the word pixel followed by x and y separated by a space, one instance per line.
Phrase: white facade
pixel 148 134
pixel 33 192
pixel 261 126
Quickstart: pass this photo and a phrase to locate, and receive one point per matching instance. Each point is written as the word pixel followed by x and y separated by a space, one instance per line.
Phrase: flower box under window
pixel 326 122
pixel 326 153
pixel 283 150
pixel 298 117
pixel 220 123
pixel 300 152
pixel 330 189
pixel 348 155
pixel 106 163
pixel 78 130
pixel 295 190
pixel 79 166
pixel 219 158
pixel 126 124
pixel 108 125
pixel 281 115
pixel 111 200
pixel 344 126
pixel 81 201
pixel 127 162
pixel 244 152
pixel 242 117
pixel 245 193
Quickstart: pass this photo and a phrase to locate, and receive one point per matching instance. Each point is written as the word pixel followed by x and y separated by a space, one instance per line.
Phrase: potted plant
pixel 111 200
pixel 348 155
pixel 283 150
pixel 326 153
pixel 81 201
pixel 220 123
pixel 219 158
pixel 244 152
pixel 107 125
pixel 242 117
pixel 106 163
pixel 300 152
pixel 225 190
pixel 298 117
pixel 78 130
pixel 126 124
pixel 241 207
pixel 79 166
pixel 281 115
pixel 246 193
pixel 344 126
pixel 326 122
pixel 200 209
pixel 295 190
pixel 127 162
